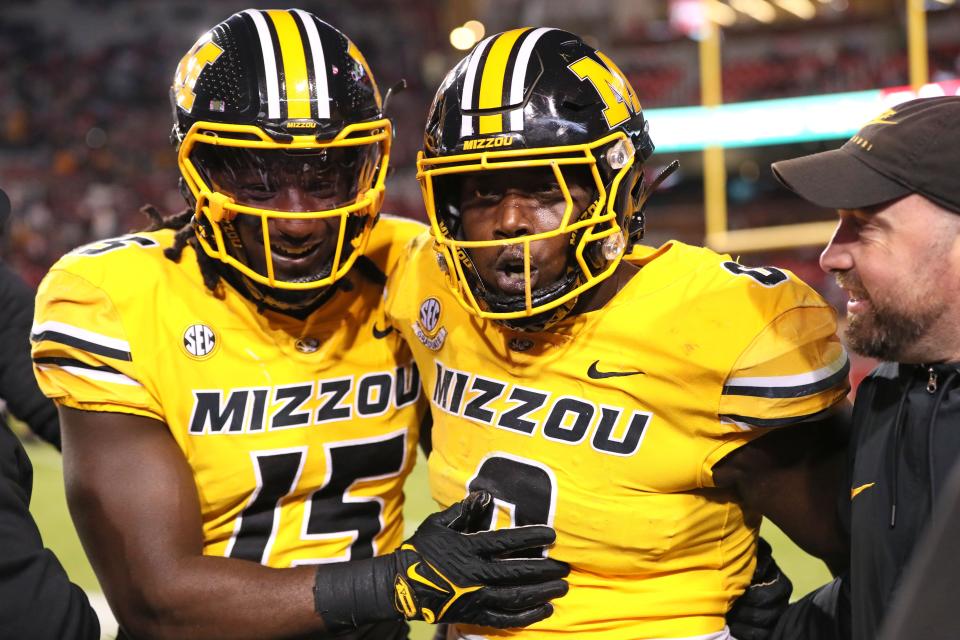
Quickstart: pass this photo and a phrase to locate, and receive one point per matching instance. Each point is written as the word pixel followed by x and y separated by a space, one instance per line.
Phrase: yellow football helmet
pixel 279 96
pixel 537 98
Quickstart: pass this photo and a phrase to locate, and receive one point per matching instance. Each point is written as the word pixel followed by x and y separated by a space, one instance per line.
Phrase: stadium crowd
pixel 82 142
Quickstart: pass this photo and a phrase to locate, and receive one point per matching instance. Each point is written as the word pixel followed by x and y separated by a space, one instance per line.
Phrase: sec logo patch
pixel 427 328
pixel 429 315
pixel 199 341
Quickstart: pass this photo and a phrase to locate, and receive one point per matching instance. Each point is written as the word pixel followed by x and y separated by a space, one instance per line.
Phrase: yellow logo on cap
pixel 883 118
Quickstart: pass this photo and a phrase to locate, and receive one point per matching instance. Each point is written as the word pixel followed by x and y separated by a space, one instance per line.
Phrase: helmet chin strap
pixel 538 322
pixel 296 303
pixel 501 303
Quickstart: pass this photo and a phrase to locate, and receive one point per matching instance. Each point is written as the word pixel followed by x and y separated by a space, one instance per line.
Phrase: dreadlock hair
pixel 212 278
pixel 183 223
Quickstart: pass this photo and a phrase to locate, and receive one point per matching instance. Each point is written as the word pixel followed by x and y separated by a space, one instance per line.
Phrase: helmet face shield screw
pixel 613 246
pixel 619 155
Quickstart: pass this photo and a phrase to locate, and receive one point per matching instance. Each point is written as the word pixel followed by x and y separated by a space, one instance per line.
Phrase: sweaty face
pixel 894 262
pixel 302 249
pixel 506 205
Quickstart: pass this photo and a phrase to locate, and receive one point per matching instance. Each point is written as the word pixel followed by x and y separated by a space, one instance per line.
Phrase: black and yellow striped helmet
pixel 279 91
pixel 536 97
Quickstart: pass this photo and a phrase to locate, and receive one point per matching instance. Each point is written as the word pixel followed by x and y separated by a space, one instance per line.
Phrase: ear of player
pixel 448 571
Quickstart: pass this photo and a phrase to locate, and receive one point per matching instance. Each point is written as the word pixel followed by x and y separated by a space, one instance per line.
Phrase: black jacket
pixel 37 599
pixel 926 602
pixel 18 387
pixel 906 437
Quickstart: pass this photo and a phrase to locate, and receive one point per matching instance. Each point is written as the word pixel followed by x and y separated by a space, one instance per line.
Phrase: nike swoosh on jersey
pixel 379 333
pixel 596 374
pixel 858 490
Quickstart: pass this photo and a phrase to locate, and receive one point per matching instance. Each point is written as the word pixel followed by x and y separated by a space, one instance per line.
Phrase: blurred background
pixel 85 121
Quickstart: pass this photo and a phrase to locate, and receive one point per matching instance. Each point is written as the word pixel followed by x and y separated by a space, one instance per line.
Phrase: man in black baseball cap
pixel 911 148
pixel 896 252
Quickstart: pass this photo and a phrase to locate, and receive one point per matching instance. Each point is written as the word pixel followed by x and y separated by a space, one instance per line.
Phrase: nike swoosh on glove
pixel 445 573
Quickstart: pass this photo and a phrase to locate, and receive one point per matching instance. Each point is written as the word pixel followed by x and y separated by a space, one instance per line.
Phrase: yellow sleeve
pixel 396 293
pixel 81 353
pixel 389 239
pixel 793 371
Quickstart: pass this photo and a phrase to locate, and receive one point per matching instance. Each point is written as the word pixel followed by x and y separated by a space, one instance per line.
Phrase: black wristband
pixel 350 594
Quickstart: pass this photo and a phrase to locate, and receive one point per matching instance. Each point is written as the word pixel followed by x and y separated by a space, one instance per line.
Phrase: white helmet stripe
pixel 269 63
pixel 520 74
pixel 466 124
pixel 319 63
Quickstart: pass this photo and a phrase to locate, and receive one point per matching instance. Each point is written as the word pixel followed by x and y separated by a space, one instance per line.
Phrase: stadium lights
pixel 804 9
pixel 476 27
pixel 787 120
pixel 467 34
pixel 462 38
pixel 759 10
pixel 720 13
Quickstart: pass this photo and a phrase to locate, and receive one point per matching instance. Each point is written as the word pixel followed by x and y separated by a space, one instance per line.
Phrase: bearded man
pixel 896 252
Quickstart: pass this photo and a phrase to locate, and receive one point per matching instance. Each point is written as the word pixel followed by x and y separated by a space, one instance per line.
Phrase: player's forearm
pixel 809 517
pixel 791 476
pixel 208 597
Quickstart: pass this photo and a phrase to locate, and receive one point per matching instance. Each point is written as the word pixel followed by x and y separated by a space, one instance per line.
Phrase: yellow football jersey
pixel 299 433
pixel 607 427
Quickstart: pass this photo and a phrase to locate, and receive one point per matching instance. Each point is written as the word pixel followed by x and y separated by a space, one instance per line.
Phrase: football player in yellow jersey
pixel 236 423
pixel 648 403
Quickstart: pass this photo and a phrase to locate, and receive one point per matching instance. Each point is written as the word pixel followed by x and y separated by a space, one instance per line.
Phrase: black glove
pixel 445 573
pixel 755 613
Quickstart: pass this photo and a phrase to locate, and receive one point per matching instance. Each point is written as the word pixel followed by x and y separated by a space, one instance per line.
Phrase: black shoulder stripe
pixel 72 362
pixel 777 422
pixel 80 343
pixel 791 392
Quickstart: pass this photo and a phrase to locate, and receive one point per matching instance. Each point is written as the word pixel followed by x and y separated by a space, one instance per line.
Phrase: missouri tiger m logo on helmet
pixel 618 96
pixel 204 52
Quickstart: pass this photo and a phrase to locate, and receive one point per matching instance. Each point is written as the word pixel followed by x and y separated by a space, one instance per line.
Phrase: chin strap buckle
pixel 215 204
